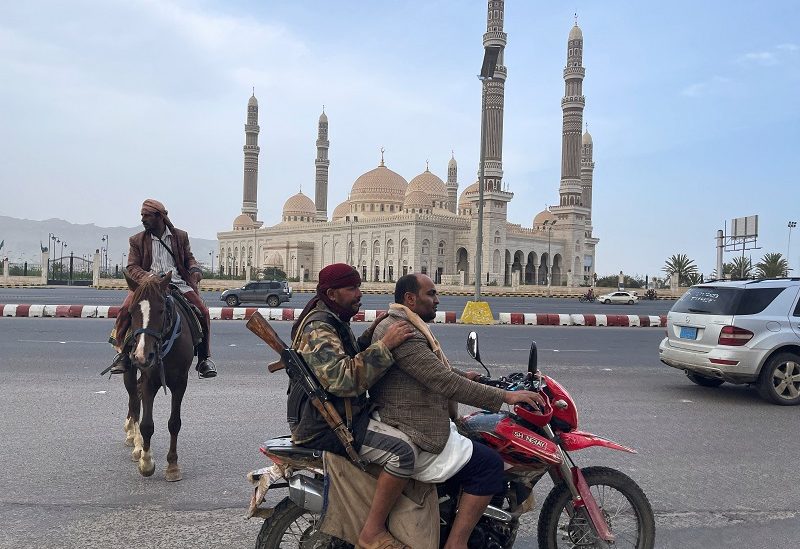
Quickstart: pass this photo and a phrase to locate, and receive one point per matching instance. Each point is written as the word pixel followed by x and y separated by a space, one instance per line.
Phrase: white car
pixel 619 297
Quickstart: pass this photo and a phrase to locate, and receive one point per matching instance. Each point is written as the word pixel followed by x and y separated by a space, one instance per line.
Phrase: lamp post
pixel 549 254
pixel 105 254
pixel 490 55
pixel 791 225
pixel 211 256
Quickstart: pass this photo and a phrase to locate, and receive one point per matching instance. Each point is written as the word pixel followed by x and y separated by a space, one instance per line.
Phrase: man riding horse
pixel 157 250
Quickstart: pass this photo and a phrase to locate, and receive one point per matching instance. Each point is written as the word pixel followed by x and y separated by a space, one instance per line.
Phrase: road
pixel 717 464
pixel 90 296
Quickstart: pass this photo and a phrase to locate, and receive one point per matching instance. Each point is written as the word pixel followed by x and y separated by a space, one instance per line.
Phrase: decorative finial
pixel 587 126
pixel 254 91
pixel 576 18
pixel 427 165
pixel 382 150
pixel 452 154
pixel 301 188
pixel 323 109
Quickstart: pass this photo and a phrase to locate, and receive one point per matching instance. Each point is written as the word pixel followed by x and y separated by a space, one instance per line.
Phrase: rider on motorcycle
pixel 590 294
pixel 415 397
pixel 346 367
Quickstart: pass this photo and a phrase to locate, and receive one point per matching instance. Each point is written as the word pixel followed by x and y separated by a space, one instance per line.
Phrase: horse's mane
pixel 150 287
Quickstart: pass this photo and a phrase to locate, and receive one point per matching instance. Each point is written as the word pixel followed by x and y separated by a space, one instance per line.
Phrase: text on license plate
pixel 688 332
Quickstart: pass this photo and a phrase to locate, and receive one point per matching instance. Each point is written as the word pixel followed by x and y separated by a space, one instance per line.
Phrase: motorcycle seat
pixel 283 446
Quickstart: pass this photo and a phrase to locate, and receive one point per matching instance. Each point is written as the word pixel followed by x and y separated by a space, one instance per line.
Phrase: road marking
pixel 607 369
pixel 100 392
pixel 232 345
pixel 562 350
pixel 59 342
pixel 687 401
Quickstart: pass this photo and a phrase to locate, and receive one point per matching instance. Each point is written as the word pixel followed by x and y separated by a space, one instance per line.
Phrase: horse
pixel 161 355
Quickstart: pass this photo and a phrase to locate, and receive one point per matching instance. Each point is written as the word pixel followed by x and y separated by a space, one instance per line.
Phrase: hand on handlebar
pixel 473 375
pixel 524 397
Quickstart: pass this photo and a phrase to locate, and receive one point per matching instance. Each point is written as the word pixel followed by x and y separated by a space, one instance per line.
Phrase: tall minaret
pixel 494 101
pixel 572 105
pixel 452 184
pixel 322 163
pixel 587 172
pixel 251 150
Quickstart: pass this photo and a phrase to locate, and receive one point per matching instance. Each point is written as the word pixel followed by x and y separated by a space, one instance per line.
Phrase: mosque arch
pixel 530 268
pixel 557 270
pixel 544 267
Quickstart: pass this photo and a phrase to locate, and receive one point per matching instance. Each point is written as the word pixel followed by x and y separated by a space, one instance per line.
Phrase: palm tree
pixel 694 278
pixel 681 266
pixel 741 268
pixel 772 265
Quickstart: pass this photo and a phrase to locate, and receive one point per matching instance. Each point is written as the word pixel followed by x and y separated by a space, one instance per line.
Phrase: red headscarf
pixel 337 275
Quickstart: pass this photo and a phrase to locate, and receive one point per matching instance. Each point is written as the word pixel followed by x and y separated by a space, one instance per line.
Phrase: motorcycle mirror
pixel 474 352
pixel 533 359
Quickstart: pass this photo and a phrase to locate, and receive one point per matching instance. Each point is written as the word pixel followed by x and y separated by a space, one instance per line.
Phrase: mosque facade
pixel 389 226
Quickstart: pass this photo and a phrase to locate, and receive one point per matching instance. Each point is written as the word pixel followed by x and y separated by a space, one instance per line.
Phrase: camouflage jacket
pixel 345 367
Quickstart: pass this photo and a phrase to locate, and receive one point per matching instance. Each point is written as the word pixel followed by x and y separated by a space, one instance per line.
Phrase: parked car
pixel 739 332
pixel 271 292
pixel 619 297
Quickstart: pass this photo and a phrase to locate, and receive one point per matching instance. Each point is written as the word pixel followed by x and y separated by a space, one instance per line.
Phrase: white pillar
pixel 96 269
pixel 45 265
pixel 5 269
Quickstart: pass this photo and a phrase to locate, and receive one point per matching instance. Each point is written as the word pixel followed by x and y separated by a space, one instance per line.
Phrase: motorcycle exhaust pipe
pixel 306 492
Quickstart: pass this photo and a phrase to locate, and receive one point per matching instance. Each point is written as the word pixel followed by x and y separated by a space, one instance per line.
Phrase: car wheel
pixel 630 302
pixel 232 300
pixel 273 301
pixel 607 301
pixel 779 381
pixel 704 380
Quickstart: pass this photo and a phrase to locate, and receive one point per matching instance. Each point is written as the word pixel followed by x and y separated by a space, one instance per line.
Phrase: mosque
pixel 389 226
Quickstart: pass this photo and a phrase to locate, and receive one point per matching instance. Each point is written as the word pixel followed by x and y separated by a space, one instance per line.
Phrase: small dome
pixel 429 184
pixel 341 211
pixel 417 199
pixel 471 190
pixel 379 185
pixel 252 102
pixel 587 138
pixel 545 216
pixel 452 163
pixel 575 33
pixel 323 117
pixel 299 204
pixel 243 221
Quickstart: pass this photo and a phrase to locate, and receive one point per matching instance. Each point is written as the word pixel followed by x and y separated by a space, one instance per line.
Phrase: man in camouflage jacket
pixel 346 367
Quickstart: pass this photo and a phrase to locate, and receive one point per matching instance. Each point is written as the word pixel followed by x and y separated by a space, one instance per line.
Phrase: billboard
pixel 744 227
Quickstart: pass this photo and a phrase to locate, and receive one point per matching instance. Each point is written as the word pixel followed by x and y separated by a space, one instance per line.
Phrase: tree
pixel 772 265
pixel 681 266
pixel 741 268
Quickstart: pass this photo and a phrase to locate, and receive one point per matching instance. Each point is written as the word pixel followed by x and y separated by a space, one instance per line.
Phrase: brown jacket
pixel 140 256
pixel 413 396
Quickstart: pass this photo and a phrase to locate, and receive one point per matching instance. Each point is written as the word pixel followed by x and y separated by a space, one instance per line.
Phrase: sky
pixel 692 106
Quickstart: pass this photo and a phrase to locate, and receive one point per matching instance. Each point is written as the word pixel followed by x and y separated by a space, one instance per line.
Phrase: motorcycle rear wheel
pixel 623 503
pixel 293 527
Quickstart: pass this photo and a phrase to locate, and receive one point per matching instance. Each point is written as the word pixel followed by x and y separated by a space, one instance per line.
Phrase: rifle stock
pixel 259 326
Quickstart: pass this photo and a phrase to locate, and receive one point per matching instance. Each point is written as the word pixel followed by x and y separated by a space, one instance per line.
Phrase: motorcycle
pixel 592 507
pixel 587 297
pixel 650 294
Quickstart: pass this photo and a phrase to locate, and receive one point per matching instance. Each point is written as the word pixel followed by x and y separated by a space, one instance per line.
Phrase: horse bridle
pixel 167 326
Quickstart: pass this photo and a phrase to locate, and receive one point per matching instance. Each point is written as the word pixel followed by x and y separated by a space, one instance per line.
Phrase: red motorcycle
pixel 594 507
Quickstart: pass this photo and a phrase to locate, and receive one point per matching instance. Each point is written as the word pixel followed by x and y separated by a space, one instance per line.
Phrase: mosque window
pixel 376 248
pixel 497 237
pixel 441 247
pixel 404 247
pixel 363 249
pixel 382 207
pixel 426 247
pixel 390 246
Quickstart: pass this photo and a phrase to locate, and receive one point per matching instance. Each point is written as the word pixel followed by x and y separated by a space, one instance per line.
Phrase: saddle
pixel 192 314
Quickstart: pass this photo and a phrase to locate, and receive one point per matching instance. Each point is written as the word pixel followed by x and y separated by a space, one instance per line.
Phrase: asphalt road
pixel 717 464
pixel 90 296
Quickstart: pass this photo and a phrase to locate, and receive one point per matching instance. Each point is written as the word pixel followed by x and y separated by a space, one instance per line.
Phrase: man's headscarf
pixel 153 206
pixel 337 275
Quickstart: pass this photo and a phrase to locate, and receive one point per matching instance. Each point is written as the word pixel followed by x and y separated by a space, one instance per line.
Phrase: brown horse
pixel 161 355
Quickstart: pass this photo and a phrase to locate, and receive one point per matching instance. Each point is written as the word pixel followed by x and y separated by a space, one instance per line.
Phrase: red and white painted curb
pixel 539 319
pixel 442 317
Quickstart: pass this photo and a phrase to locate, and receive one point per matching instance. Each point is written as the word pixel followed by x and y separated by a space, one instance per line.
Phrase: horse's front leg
pixel 173 472
pixel 146 463
pixel 134 410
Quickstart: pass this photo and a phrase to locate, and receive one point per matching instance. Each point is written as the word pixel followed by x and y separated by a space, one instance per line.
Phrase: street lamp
pixel 490 55
pixel 791 225
pixel 549 255
pixel 105 257
pixel 211 255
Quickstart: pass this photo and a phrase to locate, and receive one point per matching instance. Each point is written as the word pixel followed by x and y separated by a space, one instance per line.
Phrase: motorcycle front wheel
pixel 291 527
pixel 623 503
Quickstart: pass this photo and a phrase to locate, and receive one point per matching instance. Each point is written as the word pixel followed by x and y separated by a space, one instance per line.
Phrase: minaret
pixel 251 150
pixel 322 163
pixel 452 184
pixel 572 105
pixel 494 100
pixel 587 172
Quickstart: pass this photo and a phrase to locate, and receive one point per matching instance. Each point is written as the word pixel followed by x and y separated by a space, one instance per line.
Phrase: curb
pixel 244 313
pixel 539 319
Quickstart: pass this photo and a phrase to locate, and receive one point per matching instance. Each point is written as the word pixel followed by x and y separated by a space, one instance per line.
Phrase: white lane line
pixel 561 350
pixel 60 342
pixel 100 392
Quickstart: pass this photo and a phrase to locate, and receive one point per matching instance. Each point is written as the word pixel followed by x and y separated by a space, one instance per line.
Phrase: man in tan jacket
pixel 414 397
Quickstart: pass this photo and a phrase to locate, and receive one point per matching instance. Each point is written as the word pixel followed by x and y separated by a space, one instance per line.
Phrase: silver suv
pixel 741 332
pixel 271 292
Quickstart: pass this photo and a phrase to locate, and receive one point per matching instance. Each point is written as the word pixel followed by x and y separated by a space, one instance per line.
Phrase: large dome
pixel 300 207
pixel 341 210
pixel 467 195
pixel 379 185
pixel 429 184
pixel 545 217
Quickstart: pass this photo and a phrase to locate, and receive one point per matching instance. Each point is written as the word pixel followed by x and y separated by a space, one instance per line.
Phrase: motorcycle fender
pixel 578 440
pixel 263 479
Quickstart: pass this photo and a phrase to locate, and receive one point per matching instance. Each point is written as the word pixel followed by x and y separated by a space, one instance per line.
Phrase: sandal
pixel 385 541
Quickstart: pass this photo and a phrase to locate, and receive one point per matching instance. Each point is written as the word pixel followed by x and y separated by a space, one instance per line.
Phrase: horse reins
pixel 172 324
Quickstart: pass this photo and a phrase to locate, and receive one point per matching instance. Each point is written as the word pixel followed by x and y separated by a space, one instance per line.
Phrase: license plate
pixel 688 332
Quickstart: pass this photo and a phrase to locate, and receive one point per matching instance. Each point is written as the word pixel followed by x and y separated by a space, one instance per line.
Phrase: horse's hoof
pixel 147 470
pixel 173 474
pixel 129 441
pixel 136 454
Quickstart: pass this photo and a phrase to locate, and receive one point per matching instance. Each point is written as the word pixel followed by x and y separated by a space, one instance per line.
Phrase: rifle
pixel 301 372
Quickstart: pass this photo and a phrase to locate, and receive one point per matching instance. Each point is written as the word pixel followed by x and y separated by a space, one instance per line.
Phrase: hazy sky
pixel 693 107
